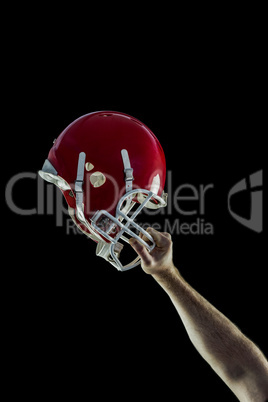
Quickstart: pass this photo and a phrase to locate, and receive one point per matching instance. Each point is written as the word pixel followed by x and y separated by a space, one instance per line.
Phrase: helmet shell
pixel 102 135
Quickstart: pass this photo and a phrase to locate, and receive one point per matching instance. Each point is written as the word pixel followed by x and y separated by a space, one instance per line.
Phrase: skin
pixel 235 358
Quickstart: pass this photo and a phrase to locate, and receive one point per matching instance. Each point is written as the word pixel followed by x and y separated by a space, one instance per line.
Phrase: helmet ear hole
pixel 97 179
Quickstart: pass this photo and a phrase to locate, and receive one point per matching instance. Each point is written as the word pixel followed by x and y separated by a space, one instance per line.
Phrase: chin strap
pixel 79 186
pixel 79 199
pixel 104 250
pixel 128 170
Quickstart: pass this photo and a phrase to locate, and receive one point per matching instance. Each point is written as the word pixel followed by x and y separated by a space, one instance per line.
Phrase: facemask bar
pixel 98 221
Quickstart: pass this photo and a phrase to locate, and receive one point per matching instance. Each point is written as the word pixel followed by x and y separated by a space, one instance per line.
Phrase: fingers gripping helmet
pixel 109 166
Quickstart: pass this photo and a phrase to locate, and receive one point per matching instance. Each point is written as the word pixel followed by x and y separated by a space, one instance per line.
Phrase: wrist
pixel 166 274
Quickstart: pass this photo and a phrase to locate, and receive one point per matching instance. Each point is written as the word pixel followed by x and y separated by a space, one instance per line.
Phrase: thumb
pixel 140 250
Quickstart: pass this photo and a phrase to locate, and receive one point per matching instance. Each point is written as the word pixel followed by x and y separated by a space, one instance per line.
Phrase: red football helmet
pixel 106 163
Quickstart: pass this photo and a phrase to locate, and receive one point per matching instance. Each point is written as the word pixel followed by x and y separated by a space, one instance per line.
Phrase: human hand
pixel 159 260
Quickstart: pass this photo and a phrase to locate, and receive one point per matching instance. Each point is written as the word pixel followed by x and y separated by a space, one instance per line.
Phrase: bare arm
pixel 237 360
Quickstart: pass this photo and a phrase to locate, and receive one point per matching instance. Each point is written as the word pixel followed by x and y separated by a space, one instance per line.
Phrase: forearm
pixel 234 357
pixel 201 320
pixel 205 325
pixel 215 337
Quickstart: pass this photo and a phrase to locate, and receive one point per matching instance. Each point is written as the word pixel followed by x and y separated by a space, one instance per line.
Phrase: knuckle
pixel 168 235
pixel 148 262
pixel 139 247
pixel 166 240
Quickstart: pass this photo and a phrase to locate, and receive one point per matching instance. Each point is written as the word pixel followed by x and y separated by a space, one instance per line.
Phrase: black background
pixel 74 323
